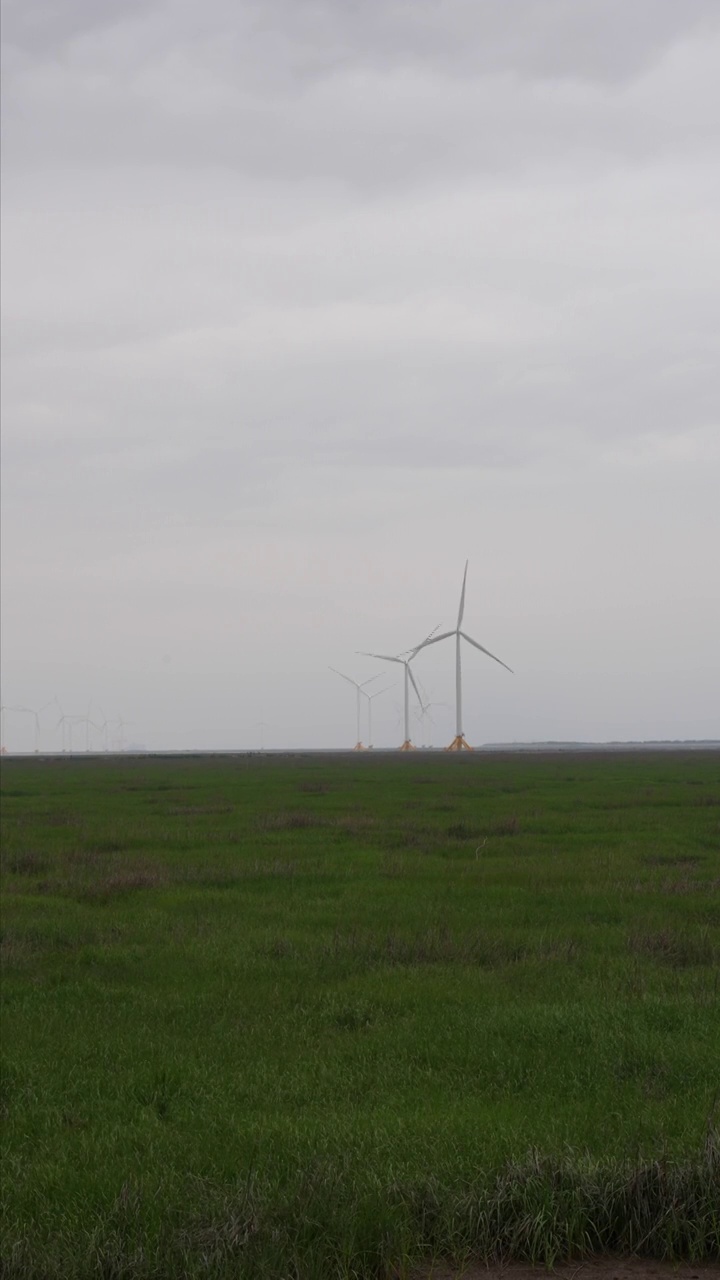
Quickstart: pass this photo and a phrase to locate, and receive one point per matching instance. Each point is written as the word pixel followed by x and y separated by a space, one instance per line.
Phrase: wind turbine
pixel 65 724
pixel 120 739
pixel 459 742
pixel 103 728
pixel 370 697
pixel 88 723
pixel 37 714
pixel 359 687
pixel 423 715
pixel 409 679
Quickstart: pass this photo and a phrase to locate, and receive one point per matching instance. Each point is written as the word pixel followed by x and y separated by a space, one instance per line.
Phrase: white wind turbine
pixel 359 687
pixel 459 742
pixel 88 724
pixel 62 722
pixel 120 737
pixel 409 680
pixel 370 697
pixel 65 724
pixel 37 714
pixel 103 728
pixel 423 715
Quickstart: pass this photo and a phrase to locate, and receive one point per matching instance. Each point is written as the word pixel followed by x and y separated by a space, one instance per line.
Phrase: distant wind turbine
pixel 88 724
pixel 409 680
pixel 120 739
pixel 359 687
pixel 459 742
pixel 423 715
pixel 37 714
pixel 65 724
pixel 103 728
pixel 370 697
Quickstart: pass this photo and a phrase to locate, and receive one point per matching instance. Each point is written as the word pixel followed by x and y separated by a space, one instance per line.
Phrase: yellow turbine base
pixel 408 746
pixel 459 744
pixel 358 747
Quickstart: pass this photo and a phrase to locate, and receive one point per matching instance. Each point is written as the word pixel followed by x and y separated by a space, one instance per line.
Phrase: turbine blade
pixel 429 636
pixel 414 685
pixel 370 680
pixel 487 651
pixel 382 657
pixel 432 640
pixel 462 598
pixel 371 696
pixel 354 683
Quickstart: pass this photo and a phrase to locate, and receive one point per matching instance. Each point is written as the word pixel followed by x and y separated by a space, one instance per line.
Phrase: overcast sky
pixel 305 303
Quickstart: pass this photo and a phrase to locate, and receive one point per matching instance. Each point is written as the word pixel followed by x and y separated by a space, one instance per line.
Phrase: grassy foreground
pixel 327 1017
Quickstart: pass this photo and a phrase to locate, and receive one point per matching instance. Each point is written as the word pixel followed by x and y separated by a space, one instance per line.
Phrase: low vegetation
pixel 323 1017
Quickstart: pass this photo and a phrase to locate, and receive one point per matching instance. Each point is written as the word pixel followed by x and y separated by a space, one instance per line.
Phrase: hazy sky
pixel 305 303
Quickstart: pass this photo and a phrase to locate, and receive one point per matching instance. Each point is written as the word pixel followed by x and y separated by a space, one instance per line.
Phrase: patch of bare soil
pixel 595 1269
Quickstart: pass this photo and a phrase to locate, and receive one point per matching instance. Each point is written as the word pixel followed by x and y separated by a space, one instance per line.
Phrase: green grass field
pixel 323 1017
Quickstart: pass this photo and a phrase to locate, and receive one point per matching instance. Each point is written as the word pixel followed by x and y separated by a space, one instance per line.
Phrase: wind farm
pixel 48 729
pixel 92 732
pixel 352 968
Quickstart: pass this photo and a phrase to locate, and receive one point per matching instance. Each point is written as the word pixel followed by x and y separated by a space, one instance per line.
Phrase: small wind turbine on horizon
pixel 370 697
pixel 120 737
pixel 88 725
pixel 423 715
pixel 359 687
pixel 64 724
pixel 459 742
pixel 102 728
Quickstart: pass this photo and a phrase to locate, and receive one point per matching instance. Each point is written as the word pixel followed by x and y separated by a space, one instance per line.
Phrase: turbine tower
pixel 359 687
pixel 459 742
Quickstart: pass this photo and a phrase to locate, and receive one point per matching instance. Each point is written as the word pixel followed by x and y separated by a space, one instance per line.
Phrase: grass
pixel 331 1017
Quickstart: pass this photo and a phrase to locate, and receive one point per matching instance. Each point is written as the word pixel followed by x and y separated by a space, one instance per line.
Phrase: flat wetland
pixel 321 1017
